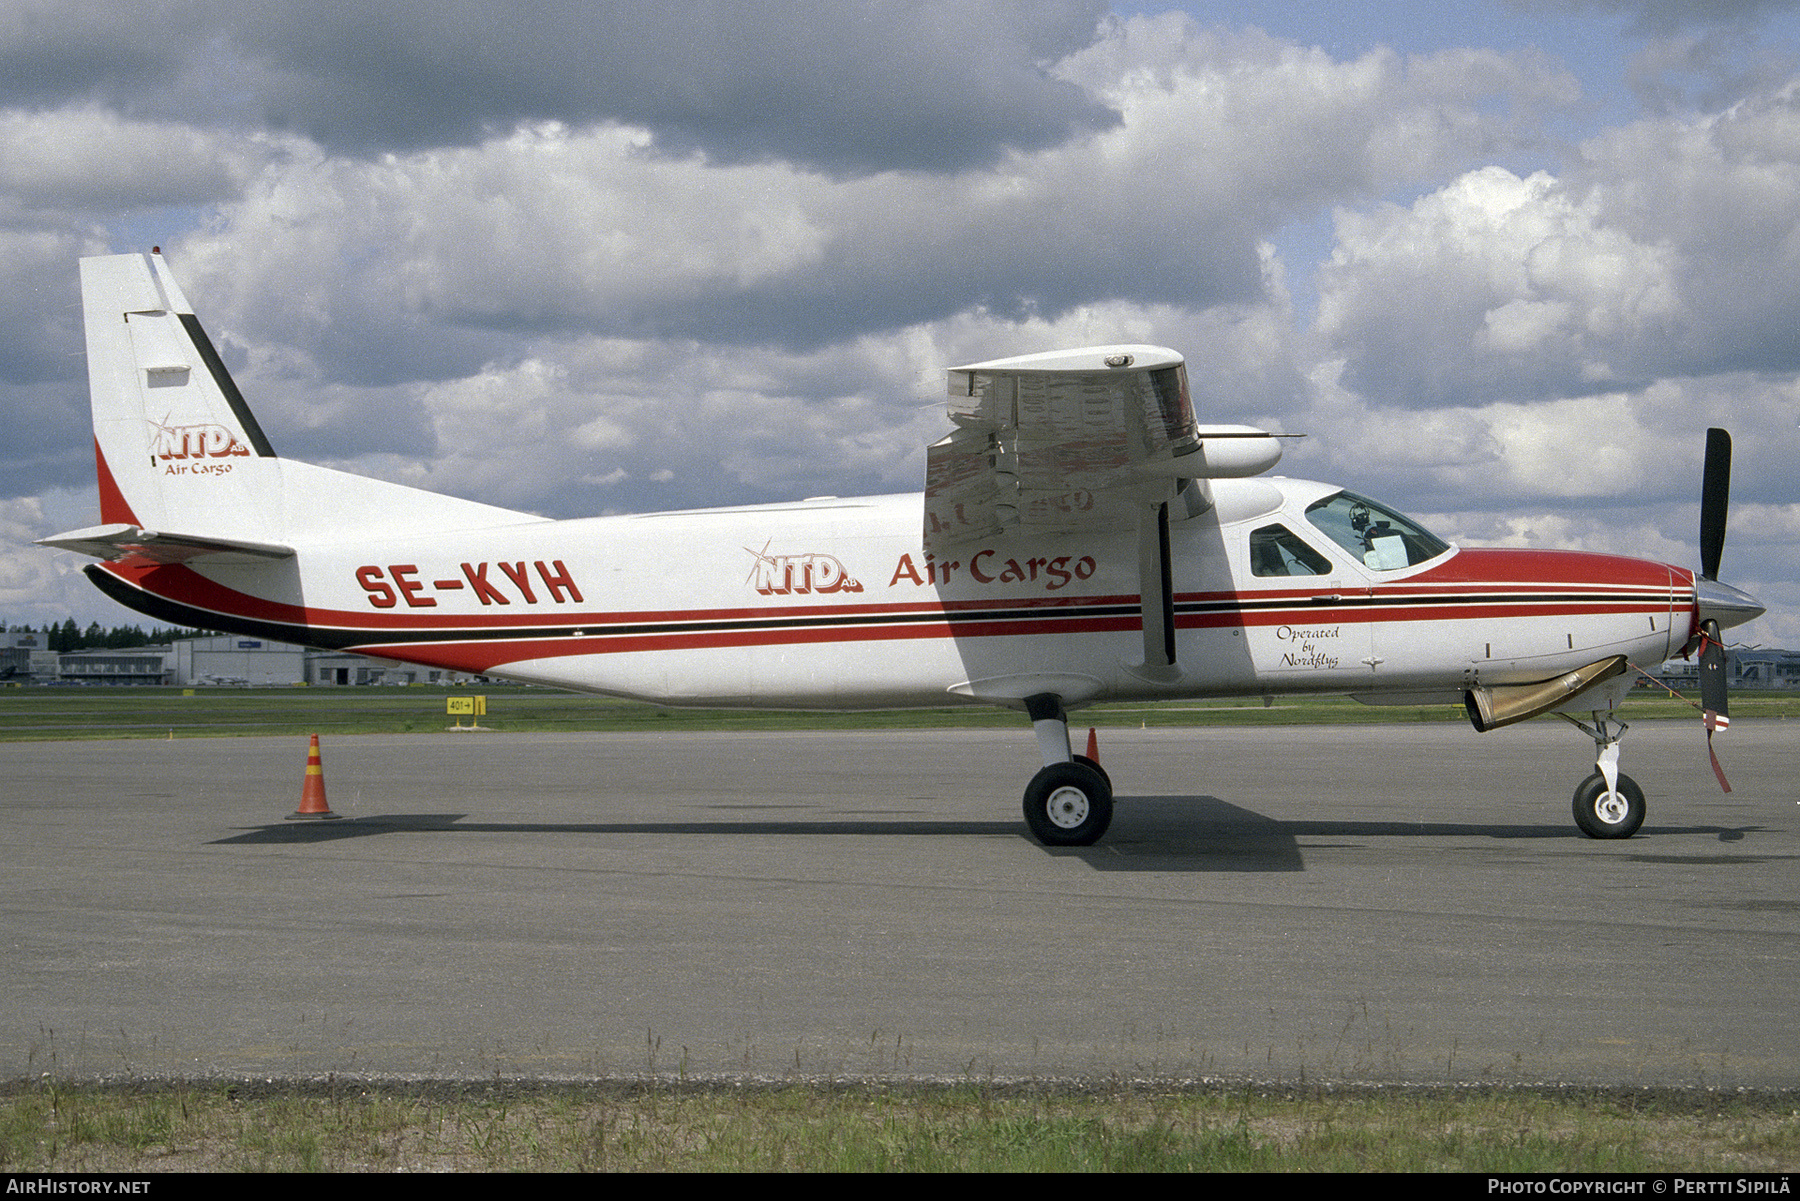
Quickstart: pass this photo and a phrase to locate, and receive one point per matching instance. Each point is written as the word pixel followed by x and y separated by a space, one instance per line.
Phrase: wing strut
pixel 1156 584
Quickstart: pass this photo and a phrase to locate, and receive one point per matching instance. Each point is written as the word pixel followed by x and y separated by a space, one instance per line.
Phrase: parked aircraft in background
pixel 1081 538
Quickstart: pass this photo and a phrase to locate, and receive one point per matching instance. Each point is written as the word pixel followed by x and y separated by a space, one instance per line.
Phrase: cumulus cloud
pixel 598 229
pixel 1724 191
pixel 92 160
pixel 559 279
pixel 39 586
pixel 1494 287
pixel 1668 248
pixel 928 84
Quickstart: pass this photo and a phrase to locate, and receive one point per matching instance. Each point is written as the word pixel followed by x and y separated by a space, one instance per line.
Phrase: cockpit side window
pixel 1379 537
pixel 1276 550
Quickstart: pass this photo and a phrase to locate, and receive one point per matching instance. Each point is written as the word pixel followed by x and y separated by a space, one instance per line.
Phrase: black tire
pixel 1068 805
pixel 1104 775
pixel 1604 815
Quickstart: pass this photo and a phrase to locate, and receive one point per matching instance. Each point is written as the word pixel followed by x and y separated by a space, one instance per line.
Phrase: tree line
pixel 70 637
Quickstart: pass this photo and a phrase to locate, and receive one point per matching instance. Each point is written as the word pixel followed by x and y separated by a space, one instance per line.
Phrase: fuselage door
pixel 1304 612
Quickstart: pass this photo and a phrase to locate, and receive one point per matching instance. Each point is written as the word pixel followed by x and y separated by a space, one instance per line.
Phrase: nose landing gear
pixel 1608 804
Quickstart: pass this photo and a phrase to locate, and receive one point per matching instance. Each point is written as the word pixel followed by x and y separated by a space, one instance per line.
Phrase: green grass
pixel 53 714
pixel 663 1126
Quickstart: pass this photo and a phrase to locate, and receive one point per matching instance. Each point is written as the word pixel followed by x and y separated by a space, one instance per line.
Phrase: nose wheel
pixel 1604 812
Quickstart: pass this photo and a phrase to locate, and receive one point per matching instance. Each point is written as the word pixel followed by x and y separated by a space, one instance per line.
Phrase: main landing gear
pixel 1069 802
pixel 1609 803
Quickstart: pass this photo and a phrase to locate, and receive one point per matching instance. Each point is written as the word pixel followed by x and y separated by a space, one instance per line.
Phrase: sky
pixel 1502 262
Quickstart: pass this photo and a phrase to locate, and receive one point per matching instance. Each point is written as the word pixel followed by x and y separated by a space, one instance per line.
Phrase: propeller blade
pixel 1714 695
pixel 1715 498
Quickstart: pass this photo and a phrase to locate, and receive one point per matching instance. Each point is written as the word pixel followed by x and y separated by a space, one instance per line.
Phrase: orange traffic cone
pixel 1093 745
pixel 312 793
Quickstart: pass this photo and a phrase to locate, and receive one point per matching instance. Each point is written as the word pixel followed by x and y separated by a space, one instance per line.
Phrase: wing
pixel 1097 439
pixel 1074 440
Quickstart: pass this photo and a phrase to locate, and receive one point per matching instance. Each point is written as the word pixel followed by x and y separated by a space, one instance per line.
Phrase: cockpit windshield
pixel 1379 537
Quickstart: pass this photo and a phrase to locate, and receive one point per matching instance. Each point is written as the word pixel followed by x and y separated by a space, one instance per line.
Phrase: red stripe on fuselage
pixel 482 656
pixel 1476 585
pixel 183 585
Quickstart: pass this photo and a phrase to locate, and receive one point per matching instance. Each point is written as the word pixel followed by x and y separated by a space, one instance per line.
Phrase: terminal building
pixel 26 655
pixel 139 665
pixel 336 668
pixel 232 659
pixel 217 660
pixel 1751 669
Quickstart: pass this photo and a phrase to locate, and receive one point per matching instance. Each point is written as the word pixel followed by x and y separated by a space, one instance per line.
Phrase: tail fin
pixel 170 426
pixel 184 469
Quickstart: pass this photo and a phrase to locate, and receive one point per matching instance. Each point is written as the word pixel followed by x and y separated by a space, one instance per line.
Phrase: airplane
pixel 1081 538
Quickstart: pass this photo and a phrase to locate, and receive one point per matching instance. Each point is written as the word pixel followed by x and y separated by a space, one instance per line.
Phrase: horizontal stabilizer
pixel 119 541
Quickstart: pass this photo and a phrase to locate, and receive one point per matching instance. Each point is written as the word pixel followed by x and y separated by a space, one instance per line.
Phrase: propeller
pixel 1719 604
pixel 1715 500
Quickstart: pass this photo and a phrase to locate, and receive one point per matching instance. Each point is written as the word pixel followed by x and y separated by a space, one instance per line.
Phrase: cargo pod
pixel 1503 704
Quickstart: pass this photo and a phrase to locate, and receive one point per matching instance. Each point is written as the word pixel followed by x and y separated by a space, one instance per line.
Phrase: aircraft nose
pixel 1724 604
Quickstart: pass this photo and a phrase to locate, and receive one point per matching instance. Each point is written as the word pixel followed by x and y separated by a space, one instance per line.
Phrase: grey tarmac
pixel 1375 903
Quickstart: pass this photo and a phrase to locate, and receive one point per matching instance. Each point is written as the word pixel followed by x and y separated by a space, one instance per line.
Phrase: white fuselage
pixel 832 603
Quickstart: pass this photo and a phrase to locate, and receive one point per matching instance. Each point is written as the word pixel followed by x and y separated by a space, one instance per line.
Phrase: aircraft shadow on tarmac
pixel 1149 833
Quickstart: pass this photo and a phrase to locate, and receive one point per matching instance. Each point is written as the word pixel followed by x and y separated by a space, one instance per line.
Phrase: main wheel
pixel 1086 762
pixel 1068 805
pixel 1603 814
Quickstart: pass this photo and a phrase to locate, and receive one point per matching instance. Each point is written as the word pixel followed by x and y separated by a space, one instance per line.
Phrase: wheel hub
pixel 1067 808
pixel 1611 808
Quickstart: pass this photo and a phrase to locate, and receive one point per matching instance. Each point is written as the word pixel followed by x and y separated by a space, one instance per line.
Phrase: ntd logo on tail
pixel 203 440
